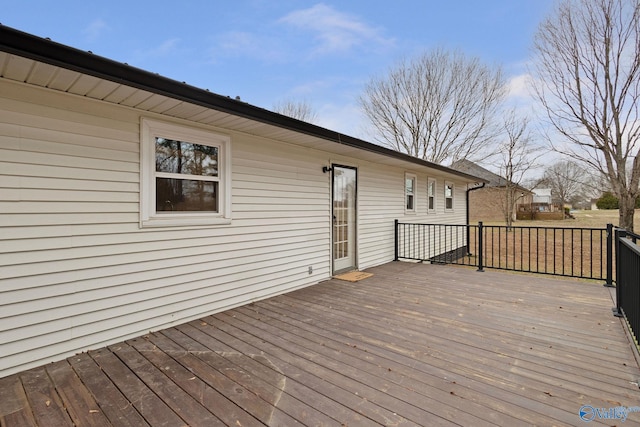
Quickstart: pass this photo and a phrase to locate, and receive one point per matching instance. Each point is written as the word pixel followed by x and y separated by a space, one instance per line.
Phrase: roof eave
pixel 44 50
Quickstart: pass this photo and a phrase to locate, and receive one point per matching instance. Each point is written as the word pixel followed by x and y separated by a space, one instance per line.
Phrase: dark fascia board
pixel 44 50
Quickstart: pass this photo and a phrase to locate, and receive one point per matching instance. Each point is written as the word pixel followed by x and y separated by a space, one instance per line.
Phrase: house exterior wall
pixel 76 269
pixel 486 204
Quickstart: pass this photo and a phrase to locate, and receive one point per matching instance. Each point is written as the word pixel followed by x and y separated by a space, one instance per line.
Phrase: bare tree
pixel 440 107
pixel 566 180
pixel 300 110
pixel 517 156
pixel 588 70
pixel 596 184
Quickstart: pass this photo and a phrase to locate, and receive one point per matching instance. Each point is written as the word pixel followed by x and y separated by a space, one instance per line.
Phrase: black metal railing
pixel 573 252
pixel 432 242
pixel 628 280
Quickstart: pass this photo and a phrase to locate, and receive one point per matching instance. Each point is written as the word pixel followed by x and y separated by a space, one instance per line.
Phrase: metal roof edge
pixel 44 50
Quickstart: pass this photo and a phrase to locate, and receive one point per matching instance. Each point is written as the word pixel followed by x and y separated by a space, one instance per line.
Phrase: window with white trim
pixel 448 196
pixel 185 176
pixel 431 195
pixel 410 192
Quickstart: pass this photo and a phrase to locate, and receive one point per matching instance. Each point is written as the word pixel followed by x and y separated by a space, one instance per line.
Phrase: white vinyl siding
pixel 380 203
pixel 78 272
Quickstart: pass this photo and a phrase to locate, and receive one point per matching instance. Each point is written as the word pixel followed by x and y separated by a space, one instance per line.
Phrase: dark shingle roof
pixel 493 180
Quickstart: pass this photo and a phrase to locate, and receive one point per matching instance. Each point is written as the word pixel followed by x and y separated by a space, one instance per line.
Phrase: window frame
pixel 452 197
pixel 414 179
pixel 149 217
pixel 430 196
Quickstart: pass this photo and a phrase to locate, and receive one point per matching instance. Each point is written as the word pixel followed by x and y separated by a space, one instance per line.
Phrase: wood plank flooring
pixel 413 345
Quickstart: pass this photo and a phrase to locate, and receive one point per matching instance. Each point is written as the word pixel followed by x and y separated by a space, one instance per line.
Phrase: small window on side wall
pixel 431 195
pixel 448 196
pixel 410 193
pixel 185 176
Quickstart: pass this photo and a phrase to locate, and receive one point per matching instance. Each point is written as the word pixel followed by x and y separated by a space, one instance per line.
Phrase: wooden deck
pixel 413 345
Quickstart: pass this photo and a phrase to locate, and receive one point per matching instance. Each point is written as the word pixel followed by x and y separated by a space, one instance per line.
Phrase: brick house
pixel 487 203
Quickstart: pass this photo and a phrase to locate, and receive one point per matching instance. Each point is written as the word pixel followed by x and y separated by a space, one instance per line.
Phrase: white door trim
pixel 344 202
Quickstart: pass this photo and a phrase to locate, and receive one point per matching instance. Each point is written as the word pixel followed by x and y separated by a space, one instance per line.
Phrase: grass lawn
pixel 584 219
pixel 569 252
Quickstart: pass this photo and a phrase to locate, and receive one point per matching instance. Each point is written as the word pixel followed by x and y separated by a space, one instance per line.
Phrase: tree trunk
pixel 508 211
pixel 627 206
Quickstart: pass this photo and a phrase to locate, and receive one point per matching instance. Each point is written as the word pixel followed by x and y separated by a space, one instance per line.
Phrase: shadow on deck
pixel 413 345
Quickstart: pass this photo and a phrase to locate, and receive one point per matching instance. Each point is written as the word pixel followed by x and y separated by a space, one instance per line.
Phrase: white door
pixel 344 218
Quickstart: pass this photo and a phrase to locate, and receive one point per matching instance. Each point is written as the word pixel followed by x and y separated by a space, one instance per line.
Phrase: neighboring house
pixel 542 206
pixel 542 200
pixel 488 203
pixel 132 202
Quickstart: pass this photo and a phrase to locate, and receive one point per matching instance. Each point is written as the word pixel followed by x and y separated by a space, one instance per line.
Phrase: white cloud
pixel 245 44
pixel 335 32
pixel 344 118
pixel 237 41
pixel 95 29
pixel 520 86
pixel 521 97
pixel 313 87
pixel 166 48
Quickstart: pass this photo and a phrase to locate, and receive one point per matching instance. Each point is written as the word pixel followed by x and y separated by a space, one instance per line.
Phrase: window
pixel 185 176
pixel 448 196
pixel 410 192
pixel 431 195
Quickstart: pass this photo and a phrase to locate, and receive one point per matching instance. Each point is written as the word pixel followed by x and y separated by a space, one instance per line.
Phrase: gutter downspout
pixel 469 190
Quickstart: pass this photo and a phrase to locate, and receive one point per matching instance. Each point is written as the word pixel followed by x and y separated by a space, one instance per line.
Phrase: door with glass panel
pixel 344 218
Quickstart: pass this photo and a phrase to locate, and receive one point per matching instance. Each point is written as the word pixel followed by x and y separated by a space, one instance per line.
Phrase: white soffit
pixel 36 73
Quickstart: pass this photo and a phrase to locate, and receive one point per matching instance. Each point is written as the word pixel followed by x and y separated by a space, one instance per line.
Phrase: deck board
pixel 44 401
pixel 141 397
pixel 78 401
pixel 14 407
pixel 113 403
pixel 413 345
pixel 356 410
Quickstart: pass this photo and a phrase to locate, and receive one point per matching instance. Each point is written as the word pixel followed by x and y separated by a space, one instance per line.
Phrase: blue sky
pixel 266 51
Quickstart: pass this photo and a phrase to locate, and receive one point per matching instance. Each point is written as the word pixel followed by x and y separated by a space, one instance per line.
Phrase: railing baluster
pixel 504 248
pixel 620 279
pixel 480 247
pixel 609 282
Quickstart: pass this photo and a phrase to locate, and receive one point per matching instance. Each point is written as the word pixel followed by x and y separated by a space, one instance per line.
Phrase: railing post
pixel 395 240
pixel 480 248
pixel 617 310
pixel 610 237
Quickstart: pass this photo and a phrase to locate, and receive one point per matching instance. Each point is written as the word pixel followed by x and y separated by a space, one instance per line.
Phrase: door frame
pixel 353 231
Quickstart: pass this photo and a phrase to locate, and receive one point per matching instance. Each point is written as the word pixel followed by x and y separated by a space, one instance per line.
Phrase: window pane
pixel 184 157
pixel 432 188
pixel 409 185
pixel 448 190
pixel 409 202
pixel 448 196
pixel 184 195
pixel 431 203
